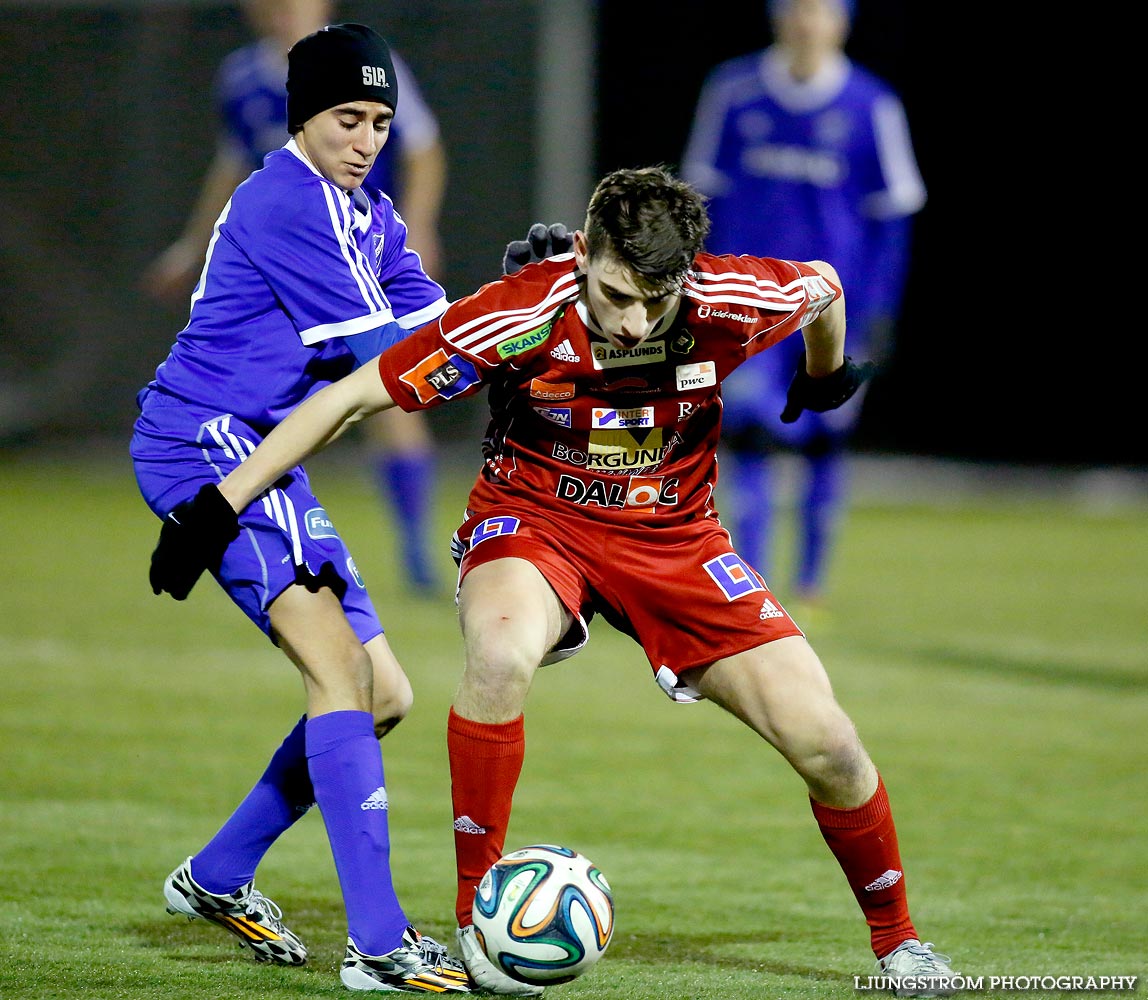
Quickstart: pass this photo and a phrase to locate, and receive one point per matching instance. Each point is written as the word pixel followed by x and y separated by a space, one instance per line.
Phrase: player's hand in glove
pixel 193 538
pixel 825 393
pixel 541 242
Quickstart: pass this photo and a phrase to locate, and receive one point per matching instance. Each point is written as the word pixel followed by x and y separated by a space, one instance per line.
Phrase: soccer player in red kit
pixel 604 370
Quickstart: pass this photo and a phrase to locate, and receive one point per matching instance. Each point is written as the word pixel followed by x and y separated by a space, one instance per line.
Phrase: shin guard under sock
pixel 279 798
pixel 864 842
pixel 346 768
pixel 485 762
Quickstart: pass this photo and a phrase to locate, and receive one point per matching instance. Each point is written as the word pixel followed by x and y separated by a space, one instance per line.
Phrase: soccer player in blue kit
pixel 307 274
pixel 252 109
pixel 804 155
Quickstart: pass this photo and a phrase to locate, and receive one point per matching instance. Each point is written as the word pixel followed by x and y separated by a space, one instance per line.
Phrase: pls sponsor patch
pixel 440 375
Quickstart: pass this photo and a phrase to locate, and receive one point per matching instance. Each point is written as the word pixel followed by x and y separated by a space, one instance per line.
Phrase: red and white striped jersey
pixel 626 435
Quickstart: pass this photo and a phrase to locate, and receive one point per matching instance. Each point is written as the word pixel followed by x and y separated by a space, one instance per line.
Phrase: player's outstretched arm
pixel 312 426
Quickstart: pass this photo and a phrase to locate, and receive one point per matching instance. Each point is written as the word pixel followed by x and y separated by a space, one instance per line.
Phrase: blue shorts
pixel 177 447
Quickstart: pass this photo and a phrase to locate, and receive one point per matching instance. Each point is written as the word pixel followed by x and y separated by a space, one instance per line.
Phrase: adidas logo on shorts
pixel 769 610
pixel 564 352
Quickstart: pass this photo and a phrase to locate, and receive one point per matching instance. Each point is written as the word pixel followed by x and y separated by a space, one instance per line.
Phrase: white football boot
pixel 419 965
pixel 925 973
pixel 246 913
pixel 484 976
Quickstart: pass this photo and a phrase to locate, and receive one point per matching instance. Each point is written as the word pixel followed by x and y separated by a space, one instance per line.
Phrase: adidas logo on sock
pixel 564 352
pixel 885 881
pixel 376 800
pixel 464 824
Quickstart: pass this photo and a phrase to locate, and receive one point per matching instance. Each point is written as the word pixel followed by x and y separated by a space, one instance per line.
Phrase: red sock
pixel 864 842
pixel 485 761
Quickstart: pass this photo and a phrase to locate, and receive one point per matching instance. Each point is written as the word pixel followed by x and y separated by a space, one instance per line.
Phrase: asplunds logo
pixel 606 356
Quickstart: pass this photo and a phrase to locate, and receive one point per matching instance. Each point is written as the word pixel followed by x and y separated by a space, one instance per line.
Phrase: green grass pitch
pixel 993 653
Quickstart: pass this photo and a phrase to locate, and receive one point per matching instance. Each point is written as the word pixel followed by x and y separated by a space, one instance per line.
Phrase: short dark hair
pixel 651 221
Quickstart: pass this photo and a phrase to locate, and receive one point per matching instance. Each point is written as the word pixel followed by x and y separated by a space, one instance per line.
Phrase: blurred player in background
pixel 252 105
pixel 307 275
pixel 803 155
pixel 604 370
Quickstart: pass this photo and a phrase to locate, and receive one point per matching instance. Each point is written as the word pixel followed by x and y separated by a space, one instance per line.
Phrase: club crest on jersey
pixel 607 356
pixel 319 524
pixel 493 526
pixel 560 415
pixel 696 376
pixel 734 577
pixel 540 389
pixel 440 375
pixel 682 343
pixel 637 416
pixel 377 240
pixel 519 345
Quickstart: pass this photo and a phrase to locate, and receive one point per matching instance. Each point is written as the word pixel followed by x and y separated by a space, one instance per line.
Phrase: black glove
pixel 541 242
pixel 825 393
pixel 193 538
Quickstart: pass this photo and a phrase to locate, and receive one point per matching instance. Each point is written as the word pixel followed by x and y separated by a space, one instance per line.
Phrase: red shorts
pixel 681 592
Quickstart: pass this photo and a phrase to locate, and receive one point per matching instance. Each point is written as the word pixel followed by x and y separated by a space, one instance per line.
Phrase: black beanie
pixel 334 65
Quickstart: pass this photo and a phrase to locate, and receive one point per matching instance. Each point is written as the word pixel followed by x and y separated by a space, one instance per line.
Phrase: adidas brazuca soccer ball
pixel 544 914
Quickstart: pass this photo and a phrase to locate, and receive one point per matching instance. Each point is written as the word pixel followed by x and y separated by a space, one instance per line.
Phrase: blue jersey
pixel 816 170
pixel 298 274
pixel 251 97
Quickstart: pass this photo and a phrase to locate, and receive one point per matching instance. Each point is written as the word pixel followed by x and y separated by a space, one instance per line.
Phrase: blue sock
pixel 346 768
pixel 820 506
pixel 752 508
pixel 408 480
pixel 280 797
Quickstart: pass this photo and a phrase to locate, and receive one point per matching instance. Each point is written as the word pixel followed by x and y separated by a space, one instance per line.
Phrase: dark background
pixel 1008 347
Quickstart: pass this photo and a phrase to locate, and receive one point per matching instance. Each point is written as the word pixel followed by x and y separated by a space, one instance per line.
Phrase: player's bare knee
pixel 503 654
pixel 506 673
pixel 494 683
pixel 836 767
